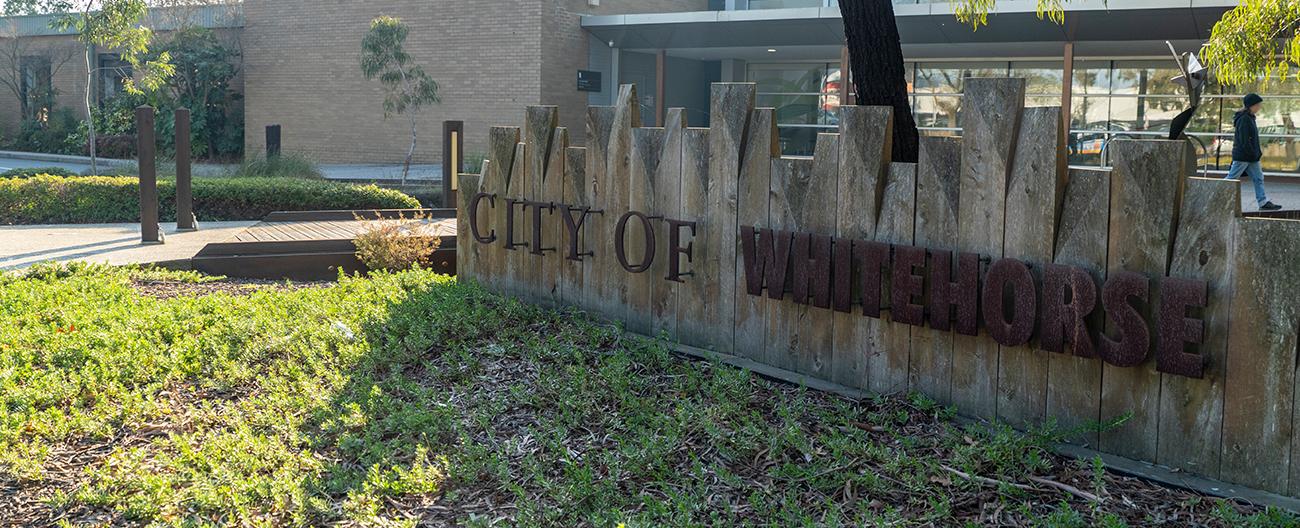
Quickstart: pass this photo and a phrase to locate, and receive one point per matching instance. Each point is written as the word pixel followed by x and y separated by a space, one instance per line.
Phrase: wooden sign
pixel 982 276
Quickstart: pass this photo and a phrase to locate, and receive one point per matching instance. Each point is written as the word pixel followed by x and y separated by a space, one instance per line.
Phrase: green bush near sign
pixel 115 199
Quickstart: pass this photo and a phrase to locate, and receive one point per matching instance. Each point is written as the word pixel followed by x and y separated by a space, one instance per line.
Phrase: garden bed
pixel 406 398
pixel 116 199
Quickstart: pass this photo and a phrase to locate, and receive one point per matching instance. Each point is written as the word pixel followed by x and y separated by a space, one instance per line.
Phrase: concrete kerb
pixel 61 158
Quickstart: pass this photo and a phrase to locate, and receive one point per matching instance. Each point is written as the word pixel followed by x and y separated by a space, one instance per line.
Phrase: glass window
pixel 794 78
pixel 780 4
pixel 1092 77
pixel 1089 112
pixel 938 111
pixel 799 141
pixel 113 72
pixel 946 77
pixel 1148 113
pixel 36 87
pixel 1146 78
pixel 1041 78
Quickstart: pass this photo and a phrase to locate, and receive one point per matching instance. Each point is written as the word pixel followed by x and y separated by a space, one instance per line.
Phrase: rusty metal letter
pixel 874 256
pixel 962 294
pixel 907 285
pixel 473 218
pixel 1134 342
pixel 1023 310
pixel 1069 296
pixel 1176 329
pixel 572 226
pixel 811 271
pixel 620 234
pixel 766 263
pixel 538 207
pixel 675 248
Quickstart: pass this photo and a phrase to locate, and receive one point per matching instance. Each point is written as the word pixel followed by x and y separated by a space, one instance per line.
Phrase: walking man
pixel 1246 151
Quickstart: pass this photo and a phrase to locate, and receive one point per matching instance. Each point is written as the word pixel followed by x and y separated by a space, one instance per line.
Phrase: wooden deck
pixel 314 245
pixel 297 230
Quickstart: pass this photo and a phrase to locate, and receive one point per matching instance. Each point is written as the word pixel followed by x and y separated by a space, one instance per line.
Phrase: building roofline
pixel 928 23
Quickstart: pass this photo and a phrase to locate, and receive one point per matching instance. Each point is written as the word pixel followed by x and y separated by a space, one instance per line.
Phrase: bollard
pixel 272 141
pixel 453 160
pixel 147 159
pixel 184 177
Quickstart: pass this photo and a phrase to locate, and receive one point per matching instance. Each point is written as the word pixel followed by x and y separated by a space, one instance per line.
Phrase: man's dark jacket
pixel 1245 141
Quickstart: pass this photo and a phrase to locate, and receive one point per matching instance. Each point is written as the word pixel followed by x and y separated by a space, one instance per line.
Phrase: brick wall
pixel 302 71
pixel 68 63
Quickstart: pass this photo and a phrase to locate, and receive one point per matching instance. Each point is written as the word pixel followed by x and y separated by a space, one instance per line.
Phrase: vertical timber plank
pixel 539 132
pixel 519 263
pixel 991 113
pixel 1191 410
pixel 644 185
pixel 702 288
pixel 627 117
pixel 866 134
pixel 892 339
pixel 799 334
pixel 554 235
pixel 496 180
pixel 576 194
pixel 752 192
pixel 467 249
pixel 668 205
pixel 1029 236
pixel 600 124
pixel 938 184
pixel 1143 205
pixel 1074 382
pixel 1258 407
pixel 730 105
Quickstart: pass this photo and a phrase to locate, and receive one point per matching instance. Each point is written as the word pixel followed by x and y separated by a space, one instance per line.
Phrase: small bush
pixel 282 166
pixel 36 171
pixel 396 245
pixel 105 199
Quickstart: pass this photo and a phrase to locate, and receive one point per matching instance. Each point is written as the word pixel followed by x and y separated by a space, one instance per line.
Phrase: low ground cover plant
pixel 408 398
pixel 103 199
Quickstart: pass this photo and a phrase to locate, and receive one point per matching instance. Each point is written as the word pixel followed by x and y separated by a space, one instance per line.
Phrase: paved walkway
pixel 117 244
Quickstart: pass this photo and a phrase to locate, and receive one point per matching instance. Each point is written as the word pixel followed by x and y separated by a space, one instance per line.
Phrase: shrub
pixel 56 135
pixel 395 244
pixel 282 166
pixel 36 171
pixel 107 199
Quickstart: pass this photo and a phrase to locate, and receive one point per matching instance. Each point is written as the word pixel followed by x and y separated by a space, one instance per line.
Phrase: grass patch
pixel 104 199
pixel 407 398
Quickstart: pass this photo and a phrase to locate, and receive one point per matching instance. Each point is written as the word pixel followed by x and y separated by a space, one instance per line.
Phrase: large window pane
pixel 793 109
pixel 799 140
pixel 1092 77
pixel 938 111
pixel 1041 78
pixel 1090 112
pixel 946 77
pixel 1144 113
pixel 1146 78
pixel 1085 147
pixel 779 4
pixel 790 78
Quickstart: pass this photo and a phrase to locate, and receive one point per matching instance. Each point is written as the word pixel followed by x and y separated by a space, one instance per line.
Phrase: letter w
pixel 766 261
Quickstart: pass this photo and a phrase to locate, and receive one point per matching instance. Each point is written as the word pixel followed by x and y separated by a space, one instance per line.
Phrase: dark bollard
pixel 146 152
pixel 453 160
pixel 272 141
pixel 184 176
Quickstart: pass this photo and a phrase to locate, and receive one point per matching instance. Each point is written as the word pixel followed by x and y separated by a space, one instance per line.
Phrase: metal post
pixel 453 160
pixel 147 159
pixel 272 141
pixel 661 74
pixel 184 193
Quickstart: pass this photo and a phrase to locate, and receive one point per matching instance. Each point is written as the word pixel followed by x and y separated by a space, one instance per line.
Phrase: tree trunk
pixel 406 169
pixel 90 111
pixel 876 62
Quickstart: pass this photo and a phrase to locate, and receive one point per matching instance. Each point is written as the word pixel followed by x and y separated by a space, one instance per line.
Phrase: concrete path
pixel 116 244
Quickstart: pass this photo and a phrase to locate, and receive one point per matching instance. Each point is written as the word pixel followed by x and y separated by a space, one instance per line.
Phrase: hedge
pixel 112 199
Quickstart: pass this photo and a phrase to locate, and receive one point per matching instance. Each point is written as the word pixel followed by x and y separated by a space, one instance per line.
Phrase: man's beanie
pixel 1251 100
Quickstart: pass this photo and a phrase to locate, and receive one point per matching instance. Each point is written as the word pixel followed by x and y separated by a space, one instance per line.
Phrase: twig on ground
pixel 985 480
pixel 1066 488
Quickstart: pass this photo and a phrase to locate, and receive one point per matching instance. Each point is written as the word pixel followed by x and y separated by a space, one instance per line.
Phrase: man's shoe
pixel 1270 206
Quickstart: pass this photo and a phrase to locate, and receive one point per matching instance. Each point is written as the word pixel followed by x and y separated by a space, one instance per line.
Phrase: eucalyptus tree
pixel 408 88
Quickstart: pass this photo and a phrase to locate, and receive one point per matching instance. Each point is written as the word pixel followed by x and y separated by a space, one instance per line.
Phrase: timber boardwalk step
pixel 314 245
